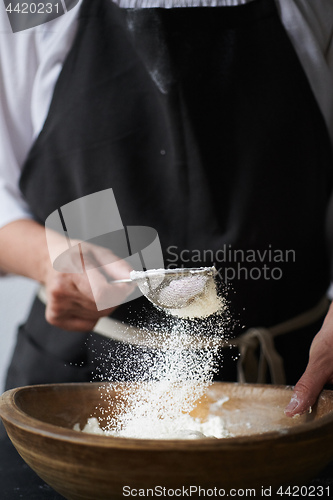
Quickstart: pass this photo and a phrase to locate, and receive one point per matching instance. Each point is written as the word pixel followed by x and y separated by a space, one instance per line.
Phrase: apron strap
pixel 123 332
pixel 249 368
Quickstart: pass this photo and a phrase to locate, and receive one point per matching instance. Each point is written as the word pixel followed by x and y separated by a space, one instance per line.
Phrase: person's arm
pixel 319 370
pixel 70 302
pixel 30 63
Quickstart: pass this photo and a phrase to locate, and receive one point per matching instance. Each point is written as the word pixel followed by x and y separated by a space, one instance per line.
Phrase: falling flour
pixel 173 379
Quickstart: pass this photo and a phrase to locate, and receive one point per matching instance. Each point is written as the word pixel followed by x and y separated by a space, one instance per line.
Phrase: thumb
pixel 306 391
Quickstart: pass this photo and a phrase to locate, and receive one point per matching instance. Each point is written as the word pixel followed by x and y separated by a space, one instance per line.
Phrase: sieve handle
pixel 125 280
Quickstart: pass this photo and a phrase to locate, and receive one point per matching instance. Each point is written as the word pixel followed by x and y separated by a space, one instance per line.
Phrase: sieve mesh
pixel 176 288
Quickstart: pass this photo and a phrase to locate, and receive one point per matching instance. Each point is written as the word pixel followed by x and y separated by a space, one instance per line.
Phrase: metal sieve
pixel 172 288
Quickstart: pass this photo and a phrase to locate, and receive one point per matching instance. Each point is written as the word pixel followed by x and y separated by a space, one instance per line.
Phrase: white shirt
pixel 31 60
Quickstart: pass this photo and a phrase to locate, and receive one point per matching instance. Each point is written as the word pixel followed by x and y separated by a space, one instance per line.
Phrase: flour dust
pixel 170 379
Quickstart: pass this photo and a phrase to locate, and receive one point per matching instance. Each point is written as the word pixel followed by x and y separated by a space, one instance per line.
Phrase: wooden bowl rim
pixel 11 413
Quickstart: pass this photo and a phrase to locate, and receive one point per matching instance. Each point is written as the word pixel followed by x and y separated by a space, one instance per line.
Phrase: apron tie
pixel 250 369
pixel 253 370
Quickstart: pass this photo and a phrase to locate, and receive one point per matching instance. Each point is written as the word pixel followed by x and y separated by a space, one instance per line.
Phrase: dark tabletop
pixel 18 481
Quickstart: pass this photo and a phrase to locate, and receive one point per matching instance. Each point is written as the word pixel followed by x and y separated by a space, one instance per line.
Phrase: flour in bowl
pixel 184 427
pixel 203 306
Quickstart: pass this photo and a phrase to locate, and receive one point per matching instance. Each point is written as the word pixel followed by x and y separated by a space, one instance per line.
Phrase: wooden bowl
pixel 268 449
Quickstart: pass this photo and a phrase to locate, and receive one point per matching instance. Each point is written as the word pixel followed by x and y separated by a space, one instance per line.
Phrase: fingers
pixel 101 277
pixel 69 322
pixel 306 392
pixel 107 294
pixel 75 301
pixel 72 313
pixel 73 318
pixel 67 307
pixel 319 372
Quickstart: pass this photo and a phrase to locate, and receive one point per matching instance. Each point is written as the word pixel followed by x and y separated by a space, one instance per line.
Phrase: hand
pixel 75 301
pixel 71 304
pixel 319 370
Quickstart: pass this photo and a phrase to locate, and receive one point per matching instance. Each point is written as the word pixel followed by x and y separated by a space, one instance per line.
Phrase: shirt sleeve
pixel 30 63
pixel 309 25
pixel 18 59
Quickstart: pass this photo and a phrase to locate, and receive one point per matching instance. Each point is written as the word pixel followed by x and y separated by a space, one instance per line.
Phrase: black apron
pixel 204 124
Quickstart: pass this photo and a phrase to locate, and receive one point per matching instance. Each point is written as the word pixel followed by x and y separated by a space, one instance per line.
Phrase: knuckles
pixel 53 317
pixel 57 287
pixel 70 308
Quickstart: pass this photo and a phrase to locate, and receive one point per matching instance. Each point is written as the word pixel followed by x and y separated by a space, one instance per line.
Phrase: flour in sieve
pixel 202 306
pixel 185 293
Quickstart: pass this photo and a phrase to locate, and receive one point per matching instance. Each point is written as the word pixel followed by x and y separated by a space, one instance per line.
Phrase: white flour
pixel 189 293
pixel 184 427
pixel 174 378
pixel 204 305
